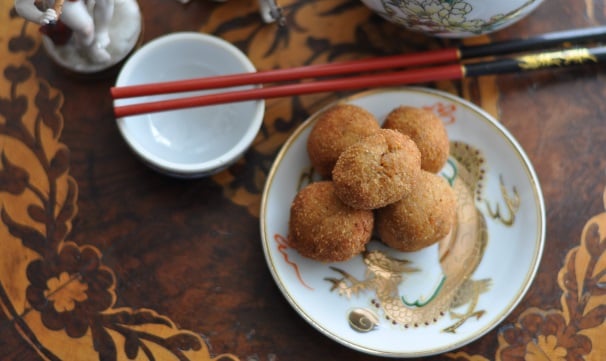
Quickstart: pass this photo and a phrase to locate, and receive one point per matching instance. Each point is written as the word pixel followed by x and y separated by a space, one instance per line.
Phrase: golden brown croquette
pixel 323 228
pixel 426 130
pixel 336 129
pixel 377 171
pixel 420 219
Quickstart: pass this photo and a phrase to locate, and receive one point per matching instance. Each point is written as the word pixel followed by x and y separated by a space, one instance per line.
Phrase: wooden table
pixel 160 268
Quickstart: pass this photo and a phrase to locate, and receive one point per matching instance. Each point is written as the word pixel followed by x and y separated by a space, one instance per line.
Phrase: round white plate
pixel 461 287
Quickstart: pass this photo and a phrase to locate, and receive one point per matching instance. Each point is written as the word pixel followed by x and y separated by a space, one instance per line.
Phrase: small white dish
pixel 194 142
pixel 464 286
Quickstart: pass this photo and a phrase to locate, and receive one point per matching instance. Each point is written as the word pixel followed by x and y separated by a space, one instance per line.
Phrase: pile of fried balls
pixel 377 180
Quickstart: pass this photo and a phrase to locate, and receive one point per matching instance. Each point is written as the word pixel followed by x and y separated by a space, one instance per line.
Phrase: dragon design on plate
pixel 459 255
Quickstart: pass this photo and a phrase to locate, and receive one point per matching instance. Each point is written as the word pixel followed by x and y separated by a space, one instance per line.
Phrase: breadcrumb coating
pixel 426 130
pixel 323 228
pixel 377 171
pixel 420 219
pixel 336 129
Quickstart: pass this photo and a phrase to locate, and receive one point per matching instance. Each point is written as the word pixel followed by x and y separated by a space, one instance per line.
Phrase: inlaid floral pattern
pixel 53 283
pixel 567 333
pixel 70 290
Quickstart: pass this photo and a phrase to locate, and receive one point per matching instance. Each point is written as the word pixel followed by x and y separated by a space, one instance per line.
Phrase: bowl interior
pixel 196 138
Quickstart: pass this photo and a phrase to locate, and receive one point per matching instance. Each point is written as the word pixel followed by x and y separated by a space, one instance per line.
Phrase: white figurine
pixel 270 11
pixel 102 31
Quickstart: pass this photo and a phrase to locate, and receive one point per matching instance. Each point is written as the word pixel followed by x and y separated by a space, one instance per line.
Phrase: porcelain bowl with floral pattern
pixel 453 18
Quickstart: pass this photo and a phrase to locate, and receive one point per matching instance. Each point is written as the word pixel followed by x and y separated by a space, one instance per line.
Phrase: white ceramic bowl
pixel 194 142
pixel 453 18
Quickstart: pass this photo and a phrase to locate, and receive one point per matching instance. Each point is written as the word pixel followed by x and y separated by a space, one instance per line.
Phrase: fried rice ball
pixel 426 130
pixel 323 228
pixel 420 219
pixel 336 129
pixel 377 171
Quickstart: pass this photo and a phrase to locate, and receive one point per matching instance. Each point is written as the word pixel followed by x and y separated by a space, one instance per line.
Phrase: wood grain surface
pixel 148 267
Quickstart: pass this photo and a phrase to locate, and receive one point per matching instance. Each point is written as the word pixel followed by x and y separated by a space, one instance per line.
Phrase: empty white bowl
pixel 193 142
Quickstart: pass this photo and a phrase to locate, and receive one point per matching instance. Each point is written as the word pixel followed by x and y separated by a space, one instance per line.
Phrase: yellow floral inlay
pixel 546 349
pixel 64 291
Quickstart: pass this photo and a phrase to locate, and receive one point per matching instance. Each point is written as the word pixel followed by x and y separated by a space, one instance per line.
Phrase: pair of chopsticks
pixel 444 64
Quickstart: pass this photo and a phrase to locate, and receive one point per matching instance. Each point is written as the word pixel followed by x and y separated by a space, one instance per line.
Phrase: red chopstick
pixel 281 75
pixel 403 77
